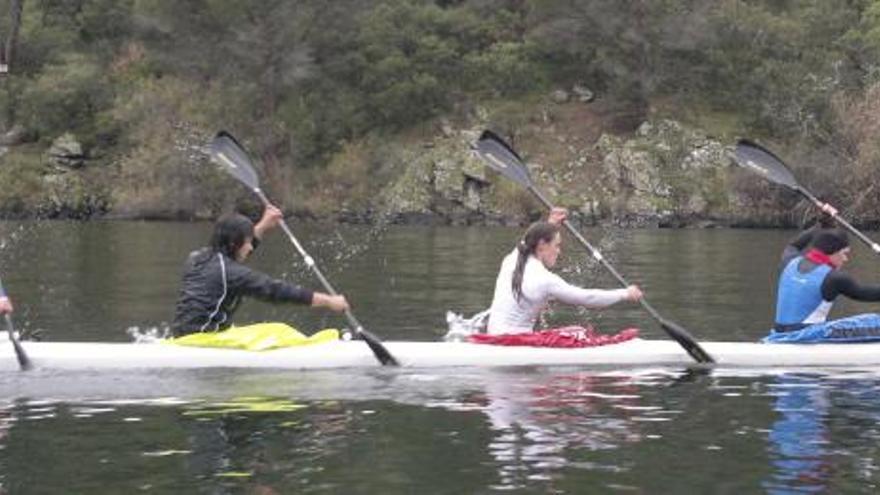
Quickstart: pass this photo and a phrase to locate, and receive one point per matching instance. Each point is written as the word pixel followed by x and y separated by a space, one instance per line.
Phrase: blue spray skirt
pixel 858 328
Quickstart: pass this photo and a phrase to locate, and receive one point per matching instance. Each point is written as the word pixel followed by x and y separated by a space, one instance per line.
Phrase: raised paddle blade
pixel 500 157
pixel 762 161
pixel 229 154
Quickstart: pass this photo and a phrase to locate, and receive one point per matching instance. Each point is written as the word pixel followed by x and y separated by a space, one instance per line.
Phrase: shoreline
pixel 634 222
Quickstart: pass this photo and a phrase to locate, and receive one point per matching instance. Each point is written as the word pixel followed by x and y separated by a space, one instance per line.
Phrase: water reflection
pixel 826 433
pixel 798 439
pixel 535 425
pixel 468 430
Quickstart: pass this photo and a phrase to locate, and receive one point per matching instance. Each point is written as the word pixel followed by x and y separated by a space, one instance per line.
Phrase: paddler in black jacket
pixel 215 278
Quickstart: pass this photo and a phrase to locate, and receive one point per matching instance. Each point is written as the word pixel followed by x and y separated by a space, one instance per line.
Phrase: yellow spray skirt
pixel 256 337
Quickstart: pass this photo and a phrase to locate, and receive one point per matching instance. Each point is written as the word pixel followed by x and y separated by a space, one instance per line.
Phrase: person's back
pixel 799 300
pixel 507 314
pixel 199 304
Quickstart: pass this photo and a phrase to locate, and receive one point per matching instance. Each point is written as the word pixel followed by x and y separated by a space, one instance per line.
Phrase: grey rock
pixel 560 96
pixel 17 135
pixel 665 169
pixel 583 93
pixel 67 152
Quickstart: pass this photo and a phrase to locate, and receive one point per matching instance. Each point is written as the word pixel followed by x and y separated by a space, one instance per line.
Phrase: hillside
pixel 363 110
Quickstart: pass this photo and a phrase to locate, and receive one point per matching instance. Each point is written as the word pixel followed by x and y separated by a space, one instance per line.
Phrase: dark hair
pixel 230 232
pixel 537 232
pixel 830 241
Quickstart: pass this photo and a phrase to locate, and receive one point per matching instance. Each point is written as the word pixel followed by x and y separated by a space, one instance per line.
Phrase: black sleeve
pixel 796 246
pixel 837 283
pixel 252 283
pixel 802 240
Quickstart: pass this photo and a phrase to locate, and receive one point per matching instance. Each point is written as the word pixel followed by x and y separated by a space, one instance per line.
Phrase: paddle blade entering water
pixel 687 341
pixel 23 361
pixel 762 161
pixel 379 350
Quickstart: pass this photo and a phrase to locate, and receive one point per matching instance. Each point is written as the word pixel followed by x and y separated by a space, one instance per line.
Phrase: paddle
pixel 762 161
pixel 23 361
pixel 229 154
pixel 503 159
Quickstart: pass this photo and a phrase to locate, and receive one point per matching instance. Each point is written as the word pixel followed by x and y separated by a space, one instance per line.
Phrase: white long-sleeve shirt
pixel 539 286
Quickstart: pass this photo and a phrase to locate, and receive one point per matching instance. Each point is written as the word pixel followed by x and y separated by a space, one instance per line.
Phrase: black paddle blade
pixel 378 349
pixel 500 157
pixel 687 341
pixel 226 151
pixel 762 161
pixel 23 361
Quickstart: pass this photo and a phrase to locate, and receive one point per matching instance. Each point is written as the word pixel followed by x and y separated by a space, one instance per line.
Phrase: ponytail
pixel 539 231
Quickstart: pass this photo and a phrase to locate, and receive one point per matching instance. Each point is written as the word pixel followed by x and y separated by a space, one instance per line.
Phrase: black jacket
pixel 212 288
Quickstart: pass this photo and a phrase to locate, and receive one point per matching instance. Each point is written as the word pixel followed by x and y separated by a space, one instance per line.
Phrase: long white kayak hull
pixel 356 354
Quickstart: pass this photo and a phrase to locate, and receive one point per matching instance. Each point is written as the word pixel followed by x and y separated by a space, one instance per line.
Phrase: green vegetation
pixel 318 89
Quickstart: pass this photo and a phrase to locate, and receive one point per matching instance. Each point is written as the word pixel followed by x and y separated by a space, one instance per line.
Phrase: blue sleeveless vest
pixel 799 296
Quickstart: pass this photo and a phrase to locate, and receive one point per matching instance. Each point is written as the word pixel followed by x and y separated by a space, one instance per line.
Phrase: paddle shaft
pixel 837 218
pixel 502 158
pixel 310 262
pixel 684 339
pixel 239 166
pixel 375 344
pixel 23 361
pixel 596 254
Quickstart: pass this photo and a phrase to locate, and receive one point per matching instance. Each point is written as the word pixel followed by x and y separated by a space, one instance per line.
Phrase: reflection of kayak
pixel 347 354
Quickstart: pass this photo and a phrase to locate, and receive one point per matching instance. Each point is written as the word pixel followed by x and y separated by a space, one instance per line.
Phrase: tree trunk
pixel 9 46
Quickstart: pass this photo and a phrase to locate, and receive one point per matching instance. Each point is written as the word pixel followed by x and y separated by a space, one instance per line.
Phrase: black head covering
pixel 230 232
pixel 830 241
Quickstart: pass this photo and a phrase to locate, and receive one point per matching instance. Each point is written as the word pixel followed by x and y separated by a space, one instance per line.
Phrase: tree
pixel 8 58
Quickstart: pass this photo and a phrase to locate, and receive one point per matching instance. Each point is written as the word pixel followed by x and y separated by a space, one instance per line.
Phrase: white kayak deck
pixel 356 354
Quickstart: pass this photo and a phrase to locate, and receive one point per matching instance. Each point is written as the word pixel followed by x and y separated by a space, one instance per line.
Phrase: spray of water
pixel 148 335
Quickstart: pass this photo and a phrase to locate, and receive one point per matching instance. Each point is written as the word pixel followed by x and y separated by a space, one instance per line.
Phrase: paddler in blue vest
pixel 810 281
pixel 215 278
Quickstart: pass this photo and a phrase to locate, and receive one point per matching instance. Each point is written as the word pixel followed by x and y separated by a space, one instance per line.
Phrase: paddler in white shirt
pixel 525 283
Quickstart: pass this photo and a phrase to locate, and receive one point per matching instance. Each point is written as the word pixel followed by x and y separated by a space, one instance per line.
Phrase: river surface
pixel 519 430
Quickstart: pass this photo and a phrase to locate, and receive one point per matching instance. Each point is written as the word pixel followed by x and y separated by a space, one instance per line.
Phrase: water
pixel 529 430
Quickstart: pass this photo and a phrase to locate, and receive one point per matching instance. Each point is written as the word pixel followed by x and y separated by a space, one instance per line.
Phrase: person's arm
pixel 336 303
pixel 271 218
pixel 255 284
pixel 5 302
pixel 5 305
pixel 261 286
pixel 837 283
pixel 562 291
pixel 557 215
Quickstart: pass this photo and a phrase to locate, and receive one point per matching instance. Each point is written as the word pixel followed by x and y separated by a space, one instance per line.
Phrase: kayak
pixel 356 354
